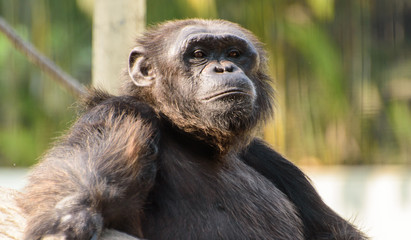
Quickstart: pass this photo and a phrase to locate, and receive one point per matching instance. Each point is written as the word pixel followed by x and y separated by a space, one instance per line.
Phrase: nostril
pixel 229 68
pixel 218 69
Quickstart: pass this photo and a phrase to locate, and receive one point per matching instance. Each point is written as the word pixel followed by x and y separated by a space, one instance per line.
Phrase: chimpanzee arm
pixel 89 180
pixel 320 222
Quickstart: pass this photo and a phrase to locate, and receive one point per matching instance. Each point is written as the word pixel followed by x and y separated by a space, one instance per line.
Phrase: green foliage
pixel 34 108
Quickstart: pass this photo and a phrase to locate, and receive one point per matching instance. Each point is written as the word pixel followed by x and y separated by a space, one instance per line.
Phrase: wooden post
pixel 115 26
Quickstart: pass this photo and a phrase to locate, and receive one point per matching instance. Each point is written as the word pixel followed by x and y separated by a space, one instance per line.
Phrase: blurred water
pixel 377 199
pixel 13 177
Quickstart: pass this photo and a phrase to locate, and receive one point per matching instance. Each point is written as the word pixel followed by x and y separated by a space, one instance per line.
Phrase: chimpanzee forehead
pixel 213 31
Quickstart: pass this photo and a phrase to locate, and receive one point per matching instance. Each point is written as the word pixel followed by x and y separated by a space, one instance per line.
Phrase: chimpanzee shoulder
pixel 98 104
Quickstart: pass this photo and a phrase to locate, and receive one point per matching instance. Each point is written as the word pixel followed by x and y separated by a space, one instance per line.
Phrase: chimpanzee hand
pixel 71 220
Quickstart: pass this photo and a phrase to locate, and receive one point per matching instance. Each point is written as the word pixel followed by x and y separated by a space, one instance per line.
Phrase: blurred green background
pixel 342 70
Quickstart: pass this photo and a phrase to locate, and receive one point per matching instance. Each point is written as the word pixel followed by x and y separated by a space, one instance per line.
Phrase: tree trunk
pixel 115 26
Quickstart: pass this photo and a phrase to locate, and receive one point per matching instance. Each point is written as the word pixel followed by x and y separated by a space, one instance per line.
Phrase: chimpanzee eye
pixel 198 54
pixel 234 53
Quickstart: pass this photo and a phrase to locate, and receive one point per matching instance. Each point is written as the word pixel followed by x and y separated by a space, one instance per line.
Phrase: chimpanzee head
pixel 207 77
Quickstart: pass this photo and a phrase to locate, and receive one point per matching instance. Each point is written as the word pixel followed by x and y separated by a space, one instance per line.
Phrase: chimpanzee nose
pixel 224 67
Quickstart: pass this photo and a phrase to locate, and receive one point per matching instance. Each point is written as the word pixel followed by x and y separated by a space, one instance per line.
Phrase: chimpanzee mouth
pixel 227 93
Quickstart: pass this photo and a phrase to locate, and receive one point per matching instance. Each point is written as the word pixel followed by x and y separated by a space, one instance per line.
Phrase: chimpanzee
pixel 176 155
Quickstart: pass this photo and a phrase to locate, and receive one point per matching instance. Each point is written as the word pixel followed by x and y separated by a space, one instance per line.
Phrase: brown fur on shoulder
pixel 93 97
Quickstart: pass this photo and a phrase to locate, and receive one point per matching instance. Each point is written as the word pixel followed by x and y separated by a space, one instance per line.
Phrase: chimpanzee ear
pixel 140 69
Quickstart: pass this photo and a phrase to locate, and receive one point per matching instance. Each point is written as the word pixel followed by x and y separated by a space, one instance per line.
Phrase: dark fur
pixel 153 164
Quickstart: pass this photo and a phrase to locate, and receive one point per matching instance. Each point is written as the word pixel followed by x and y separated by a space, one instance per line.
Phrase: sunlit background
pixel 341 68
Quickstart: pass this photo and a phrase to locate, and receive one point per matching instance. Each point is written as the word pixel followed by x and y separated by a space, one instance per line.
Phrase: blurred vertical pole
pixel 115 25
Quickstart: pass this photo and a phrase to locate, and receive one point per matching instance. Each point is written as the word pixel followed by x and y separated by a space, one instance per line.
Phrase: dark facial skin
pixel 218 63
